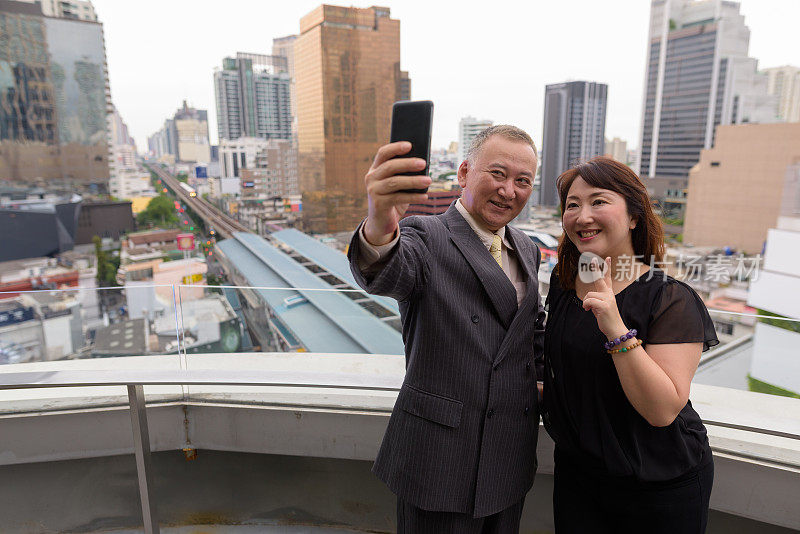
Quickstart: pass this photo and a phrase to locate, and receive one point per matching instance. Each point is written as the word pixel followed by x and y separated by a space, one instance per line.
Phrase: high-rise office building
pixel 784 82
pixel 574 130
pixel 347 73
pixel 119 134
pixel 253 95
pixel 698 76
pixel 122 159
pixel 191 135
pixel 183 138
pixel 468 128
pixel 403 85
pixel 284 47
pixel 69 9
pixel 56 98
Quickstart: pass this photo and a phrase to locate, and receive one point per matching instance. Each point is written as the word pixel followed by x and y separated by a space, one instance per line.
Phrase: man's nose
pixel 506 190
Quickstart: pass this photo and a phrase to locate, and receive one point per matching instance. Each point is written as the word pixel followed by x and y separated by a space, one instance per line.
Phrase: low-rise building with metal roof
pixel 289 307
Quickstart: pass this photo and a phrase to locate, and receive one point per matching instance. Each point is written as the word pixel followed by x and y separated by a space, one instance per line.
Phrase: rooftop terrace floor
pixel 243 529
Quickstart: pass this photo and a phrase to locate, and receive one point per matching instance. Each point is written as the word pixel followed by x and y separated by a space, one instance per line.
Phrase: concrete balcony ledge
pixel 755 437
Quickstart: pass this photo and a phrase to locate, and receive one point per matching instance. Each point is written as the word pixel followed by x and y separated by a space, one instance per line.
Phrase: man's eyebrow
pixel 500 165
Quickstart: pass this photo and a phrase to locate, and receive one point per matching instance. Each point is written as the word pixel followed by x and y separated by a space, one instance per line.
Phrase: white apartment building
pixel 617 149
pixel 468 128
pixel 238 154
pixel 130 183
pixel 68 9
pixel 784 82
pixel 775 290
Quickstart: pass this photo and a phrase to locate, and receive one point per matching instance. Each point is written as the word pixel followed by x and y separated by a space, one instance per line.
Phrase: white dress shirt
pixel 371 254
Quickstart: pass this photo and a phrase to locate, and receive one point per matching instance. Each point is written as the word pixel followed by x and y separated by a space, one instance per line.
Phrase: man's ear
pixel 462 173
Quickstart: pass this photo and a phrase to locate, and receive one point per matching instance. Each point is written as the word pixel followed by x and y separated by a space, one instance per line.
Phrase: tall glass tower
pixel 698 76
pixel 347 68
pixel 574 130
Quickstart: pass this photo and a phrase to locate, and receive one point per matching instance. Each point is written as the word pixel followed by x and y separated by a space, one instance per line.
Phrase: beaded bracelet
pixel 624 337
pixel 625 349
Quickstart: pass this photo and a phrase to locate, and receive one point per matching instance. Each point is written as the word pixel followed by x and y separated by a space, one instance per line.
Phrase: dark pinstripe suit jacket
pixel 462 435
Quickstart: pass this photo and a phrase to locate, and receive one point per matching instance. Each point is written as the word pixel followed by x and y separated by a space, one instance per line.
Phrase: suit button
pixel 496 367
pixel 490 413
pixel 526 410
pixel 475 318
pixel 528 367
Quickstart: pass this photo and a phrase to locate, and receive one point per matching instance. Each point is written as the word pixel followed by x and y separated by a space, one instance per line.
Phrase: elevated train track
pixel 223 224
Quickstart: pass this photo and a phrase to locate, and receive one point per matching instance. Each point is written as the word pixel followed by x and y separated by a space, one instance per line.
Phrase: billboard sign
pixel 185 241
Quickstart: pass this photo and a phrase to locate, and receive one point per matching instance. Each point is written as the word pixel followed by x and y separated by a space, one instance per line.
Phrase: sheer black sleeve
pixel 680 316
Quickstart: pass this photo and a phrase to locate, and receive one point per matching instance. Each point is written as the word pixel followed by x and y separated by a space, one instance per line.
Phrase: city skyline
pixel 462 79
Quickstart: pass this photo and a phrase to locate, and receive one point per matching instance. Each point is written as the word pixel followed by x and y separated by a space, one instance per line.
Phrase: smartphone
pixel 412 121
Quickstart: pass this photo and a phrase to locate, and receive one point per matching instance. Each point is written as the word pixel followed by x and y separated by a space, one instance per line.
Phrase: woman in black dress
pixel 620 353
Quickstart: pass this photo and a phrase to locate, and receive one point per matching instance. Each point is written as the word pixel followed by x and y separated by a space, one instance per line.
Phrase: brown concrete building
pixel 347 68
pixel 736 189
pixel 439 201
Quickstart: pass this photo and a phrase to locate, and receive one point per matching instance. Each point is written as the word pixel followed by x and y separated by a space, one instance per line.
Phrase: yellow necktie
pixel 495 249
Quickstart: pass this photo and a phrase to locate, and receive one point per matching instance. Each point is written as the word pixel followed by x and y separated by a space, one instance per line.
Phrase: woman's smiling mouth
pixel 586 235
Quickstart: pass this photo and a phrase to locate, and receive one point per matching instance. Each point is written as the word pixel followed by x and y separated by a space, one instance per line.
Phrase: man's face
pixel 497 184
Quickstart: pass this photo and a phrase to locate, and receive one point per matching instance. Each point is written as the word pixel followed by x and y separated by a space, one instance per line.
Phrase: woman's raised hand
pixel 603 304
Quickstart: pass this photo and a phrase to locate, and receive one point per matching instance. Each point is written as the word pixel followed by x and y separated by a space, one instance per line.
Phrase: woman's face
pixel 597 220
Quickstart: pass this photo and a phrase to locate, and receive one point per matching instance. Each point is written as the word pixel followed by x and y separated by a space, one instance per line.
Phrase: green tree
pixel 101 257
pixel 107 265
pixel 160 211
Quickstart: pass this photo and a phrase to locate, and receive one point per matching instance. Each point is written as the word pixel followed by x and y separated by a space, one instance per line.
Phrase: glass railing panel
pixel 269 330
pixel 86 329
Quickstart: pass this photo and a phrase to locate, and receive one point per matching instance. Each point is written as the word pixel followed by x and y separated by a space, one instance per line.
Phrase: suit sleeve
pixel 538 328
pixel 402 272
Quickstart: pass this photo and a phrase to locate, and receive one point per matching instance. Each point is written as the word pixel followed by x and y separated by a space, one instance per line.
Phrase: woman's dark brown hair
pixel 607 173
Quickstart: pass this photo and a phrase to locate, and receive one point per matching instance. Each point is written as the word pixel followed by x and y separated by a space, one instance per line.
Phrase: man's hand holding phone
pixel 386 190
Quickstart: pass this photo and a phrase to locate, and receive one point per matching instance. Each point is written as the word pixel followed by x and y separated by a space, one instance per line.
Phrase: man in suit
pixel 460 448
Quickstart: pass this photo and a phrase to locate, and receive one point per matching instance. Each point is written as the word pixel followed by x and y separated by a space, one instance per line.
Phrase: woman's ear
pixel 633 223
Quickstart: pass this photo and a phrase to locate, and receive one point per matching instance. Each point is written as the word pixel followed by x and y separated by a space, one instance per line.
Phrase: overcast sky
pixel 488 59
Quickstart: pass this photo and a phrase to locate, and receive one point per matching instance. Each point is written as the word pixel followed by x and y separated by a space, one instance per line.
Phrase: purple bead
pixel 624 337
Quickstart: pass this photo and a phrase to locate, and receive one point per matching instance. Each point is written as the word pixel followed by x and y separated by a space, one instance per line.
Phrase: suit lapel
pixel 499 288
